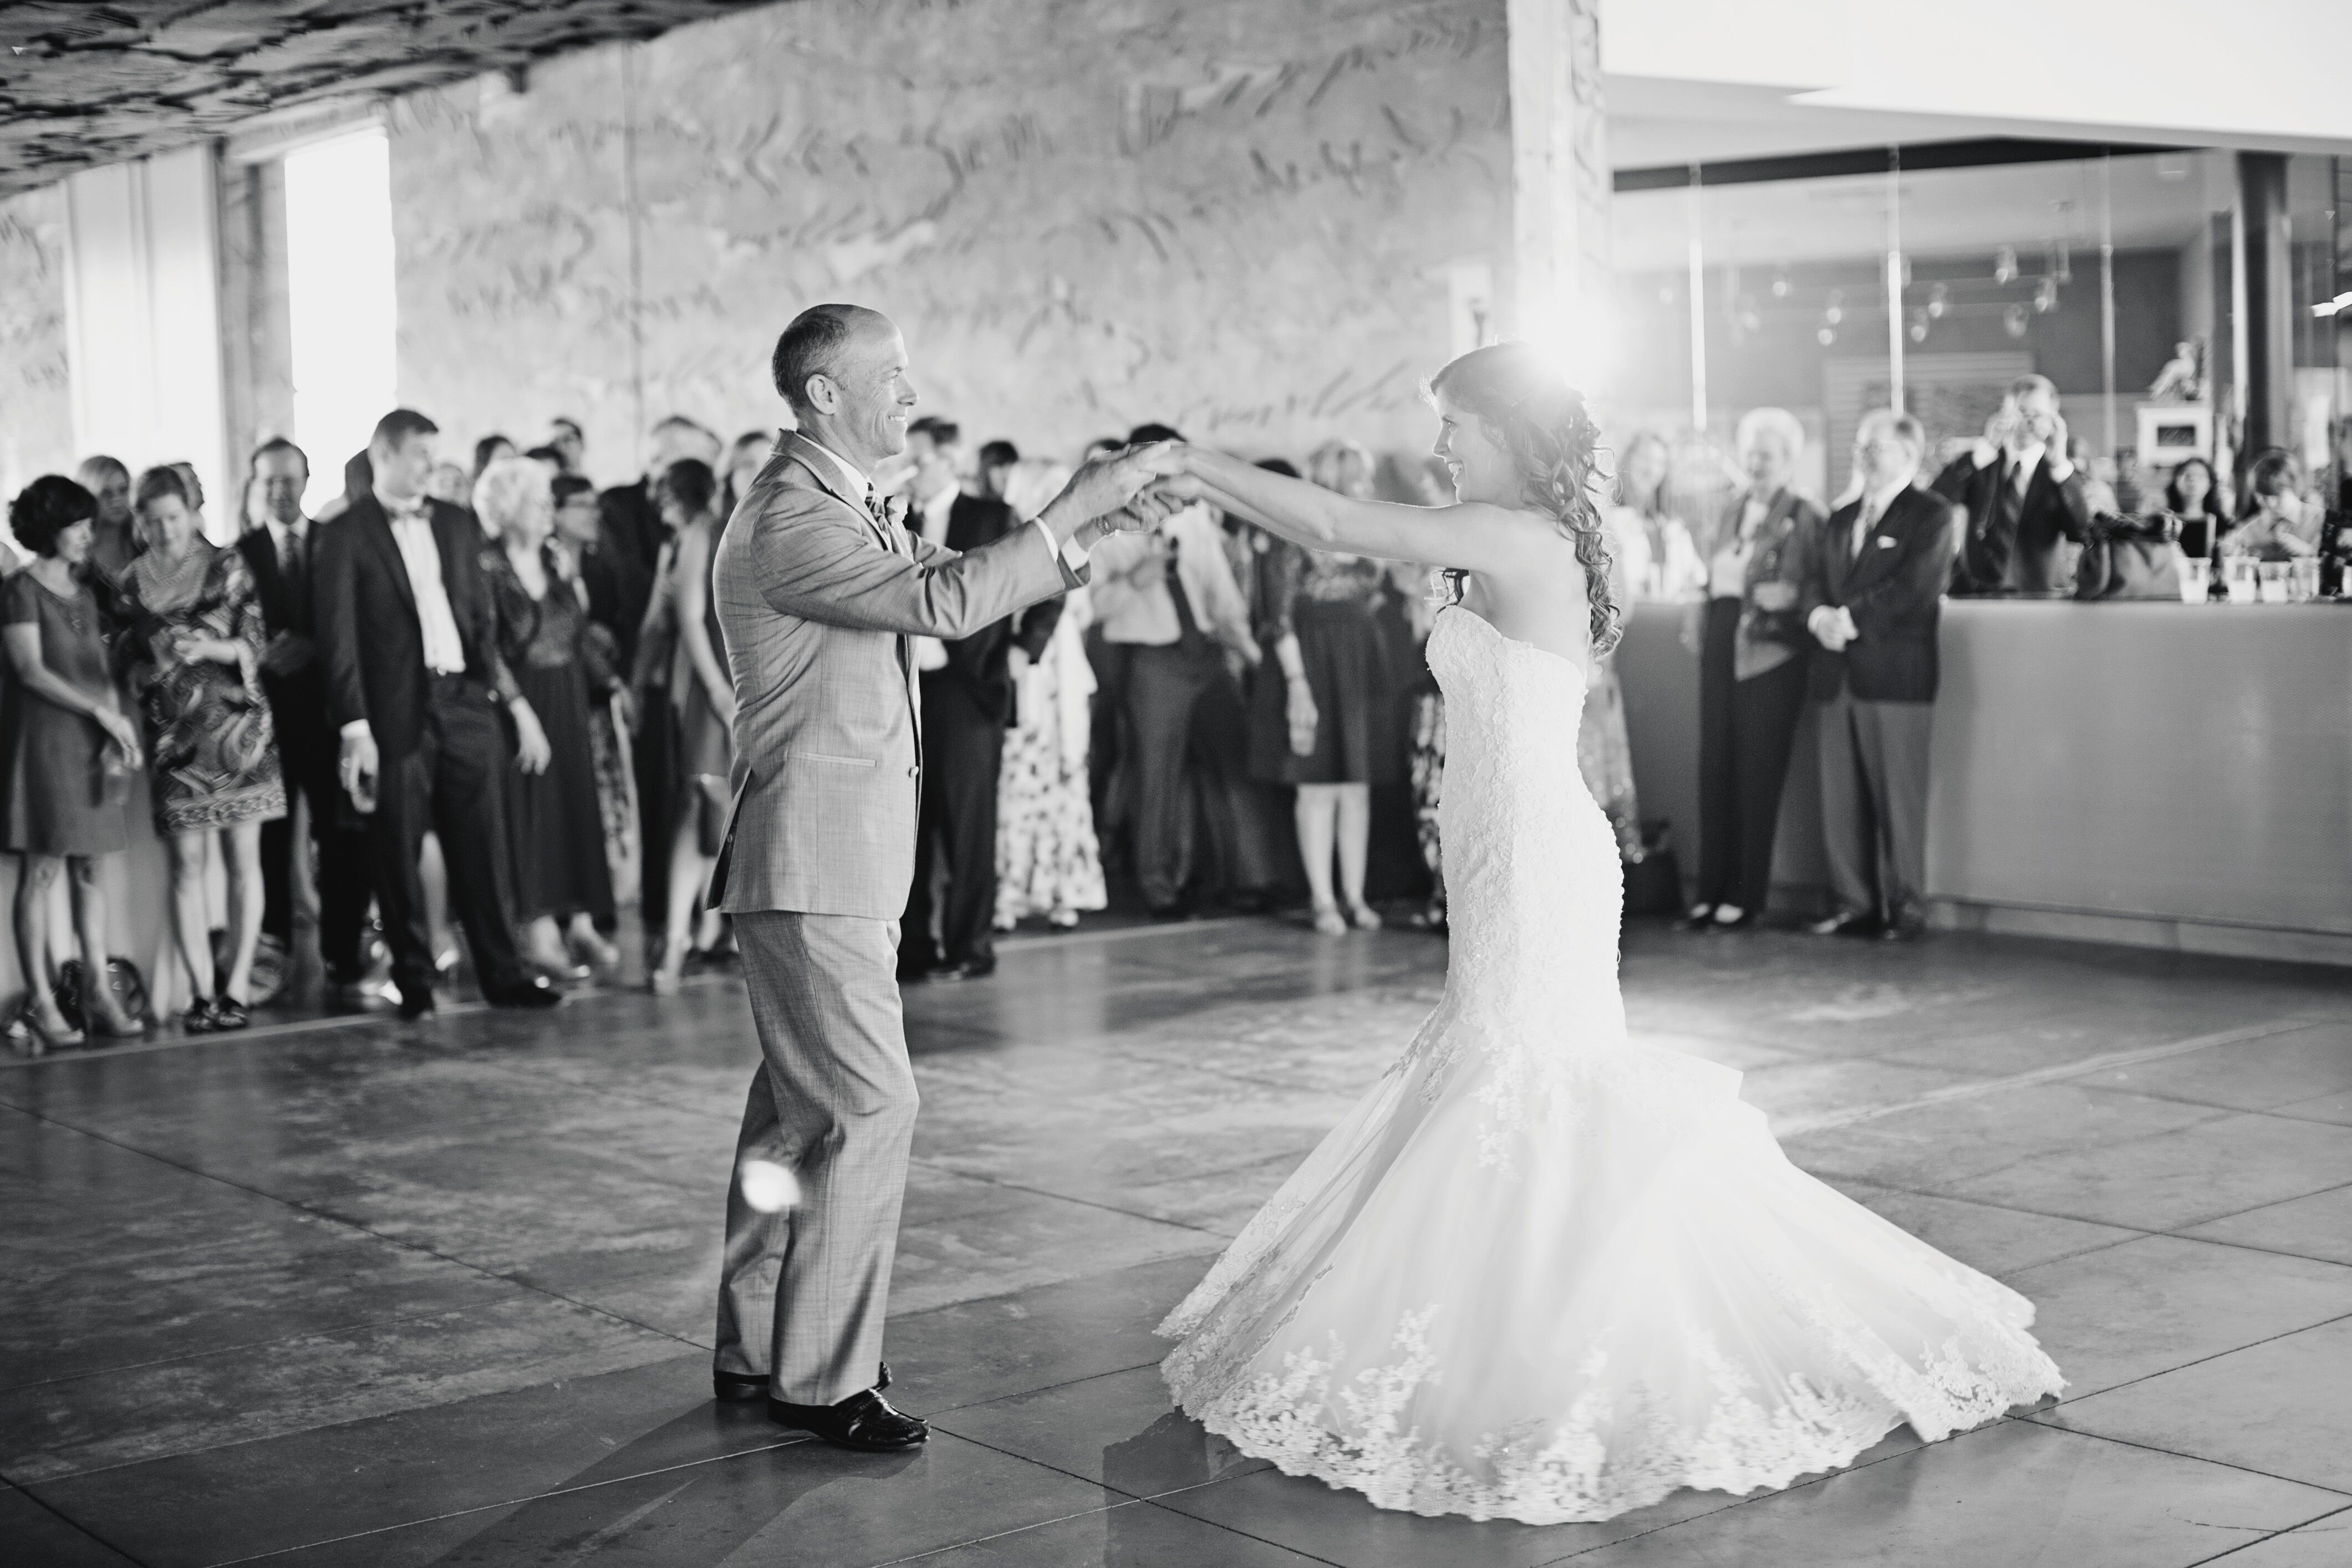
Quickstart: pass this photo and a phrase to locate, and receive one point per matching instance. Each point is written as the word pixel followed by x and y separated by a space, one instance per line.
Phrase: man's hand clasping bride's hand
pixel 1121 492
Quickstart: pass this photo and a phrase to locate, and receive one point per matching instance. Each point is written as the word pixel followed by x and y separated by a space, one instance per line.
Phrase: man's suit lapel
pixel 1839 542
pixel 1874 560
pixel 375 529
pixel 828 478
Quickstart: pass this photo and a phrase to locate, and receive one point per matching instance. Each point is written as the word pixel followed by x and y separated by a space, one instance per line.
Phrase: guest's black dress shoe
pixel 864 1421
pixel 736 1387
pixel 969 968
pixel 415 1001
pixel 1847 925
pixel 1700 917
pixel 1903 930
pixel 534 991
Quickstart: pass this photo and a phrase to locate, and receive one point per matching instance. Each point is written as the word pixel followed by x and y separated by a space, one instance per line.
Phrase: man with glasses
pixel 1872 596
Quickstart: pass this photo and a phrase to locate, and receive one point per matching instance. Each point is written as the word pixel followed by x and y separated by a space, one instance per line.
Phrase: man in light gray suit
pixel 818 591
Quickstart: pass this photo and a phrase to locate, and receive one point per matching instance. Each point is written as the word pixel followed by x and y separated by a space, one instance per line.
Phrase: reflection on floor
pixel 387 1295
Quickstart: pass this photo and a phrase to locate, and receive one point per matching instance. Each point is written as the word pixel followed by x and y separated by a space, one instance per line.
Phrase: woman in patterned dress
pixel 1047 860
pixel 194 650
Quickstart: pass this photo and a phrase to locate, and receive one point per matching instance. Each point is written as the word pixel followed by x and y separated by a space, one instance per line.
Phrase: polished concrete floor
pixel 375 1294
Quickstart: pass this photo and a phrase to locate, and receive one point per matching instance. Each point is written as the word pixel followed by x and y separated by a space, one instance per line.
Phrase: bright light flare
pixel 1580 341
pixel 768 1187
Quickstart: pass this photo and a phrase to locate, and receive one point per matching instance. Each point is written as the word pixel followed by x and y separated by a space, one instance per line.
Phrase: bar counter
pixel 2161 774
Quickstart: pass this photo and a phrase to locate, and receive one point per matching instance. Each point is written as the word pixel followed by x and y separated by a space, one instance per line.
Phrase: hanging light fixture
pixel 2004 264
pixel 1939 300
pixel 1835 313
pixel 2013 320
pixel 1826 336
pixel 1780 284
pixel 1917 330
pixel 2045 296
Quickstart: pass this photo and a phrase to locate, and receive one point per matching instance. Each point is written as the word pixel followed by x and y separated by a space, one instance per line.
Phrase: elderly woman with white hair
pixel 1751 681
pixel 563 885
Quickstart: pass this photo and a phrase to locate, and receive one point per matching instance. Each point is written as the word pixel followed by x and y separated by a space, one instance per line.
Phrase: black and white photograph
pixel 1175 784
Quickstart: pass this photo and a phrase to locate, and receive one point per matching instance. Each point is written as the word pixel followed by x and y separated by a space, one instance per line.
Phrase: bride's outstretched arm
pixel 1475 537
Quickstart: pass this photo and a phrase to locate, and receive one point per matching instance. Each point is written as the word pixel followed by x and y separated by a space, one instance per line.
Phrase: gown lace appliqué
pixel 1542 1272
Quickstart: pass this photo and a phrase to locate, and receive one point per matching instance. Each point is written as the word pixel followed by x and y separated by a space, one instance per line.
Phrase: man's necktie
pixel 1188 640
pixel 881 516
pixel 1864 524
pixel 294 565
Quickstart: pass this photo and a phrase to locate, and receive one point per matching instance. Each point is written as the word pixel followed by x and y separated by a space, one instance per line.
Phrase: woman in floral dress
pixel 1047 860
pixel 195 652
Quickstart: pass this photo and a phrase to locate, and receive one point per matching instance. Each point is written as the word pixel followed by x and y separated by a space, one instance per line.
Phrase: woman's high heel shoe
pixel 102 1012
pixel 43 1039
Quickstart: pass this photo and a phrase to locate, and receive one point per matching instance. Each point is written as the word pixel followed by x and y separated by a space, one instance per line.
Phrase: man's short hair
pixel 2025 385
pixel 1904 427
pixel 97 469
pixel 998 455
pixel 1144 435
pixel 811 346
pixel 681 422
pixel 943 432
pixel 395 427
pixel 278 443
pixel 564 487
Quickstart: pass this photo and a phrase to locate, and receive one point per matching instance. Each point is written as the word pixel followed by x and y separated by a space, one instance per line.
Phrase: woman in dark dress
pixel 563 886
pixel 701 702
pixel 193 645
pixel 71 751
pixel 1751 673
pixel 2193 497
pixel 1329 725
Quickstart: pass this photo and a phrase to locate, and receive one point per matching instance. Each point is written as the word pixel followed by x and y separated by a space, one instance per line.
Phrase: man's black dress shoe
pixel 969 968
pixel 1902 931
pixel 1699 918
pixel 1846 925
pixel 864 1421
pixel 534 991
pixel 415 1001
pixel 737 1386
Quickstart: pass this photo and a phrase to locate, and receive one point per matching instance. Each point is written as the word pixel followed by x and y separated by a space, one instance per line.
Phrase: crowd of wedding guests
pixel 497 697
pixel 490 695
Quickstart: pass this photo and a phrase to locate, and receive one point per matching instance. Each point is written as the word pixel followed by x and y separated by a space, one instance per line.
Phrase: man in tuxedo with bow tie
pixel 1872 597
pixel 415 680
pixel 821 595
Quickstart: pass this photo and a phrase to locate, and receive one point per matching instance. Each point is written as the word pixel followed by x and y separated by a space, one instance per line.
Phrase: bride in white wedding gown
pixel 1541 1271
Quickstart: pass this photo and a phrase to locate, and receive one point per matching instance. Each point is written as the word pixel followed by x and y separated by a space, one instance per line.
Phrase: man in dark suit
pixel 1871 596
pixel 408 637
pixel 2023 498
pixel 279 553
pixel 968 693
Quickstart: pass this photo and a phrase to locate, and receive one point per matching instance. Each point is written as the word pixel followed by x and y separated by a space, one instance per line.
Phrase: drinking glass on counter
pixel 2272 578
pixel 2196 576
pixel 2302 579
pixel 2238 573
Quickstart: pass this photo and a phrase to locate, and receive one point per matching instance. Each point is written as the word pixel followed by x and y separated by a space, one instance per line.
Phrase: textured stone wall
pixel 1235 214
pixel 36 396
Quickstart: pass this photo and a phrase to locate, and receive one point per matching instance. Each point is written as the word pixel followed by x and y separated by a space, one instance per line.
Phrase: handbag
pixel 2130 558
pixel 122 978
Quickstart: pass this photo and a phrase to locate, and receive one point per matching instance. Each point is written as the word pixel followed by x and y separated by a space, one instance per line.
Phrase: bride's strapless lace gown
pixel 1542 1272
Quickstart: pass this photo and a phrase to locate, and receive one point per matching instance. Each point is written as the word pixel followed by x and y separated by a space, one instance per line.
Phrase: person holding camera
pixel 2023 495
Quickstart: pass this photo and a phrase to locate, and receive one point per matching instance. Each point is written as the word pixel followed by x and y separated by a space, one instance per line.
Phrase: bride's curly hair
pixel 1531 412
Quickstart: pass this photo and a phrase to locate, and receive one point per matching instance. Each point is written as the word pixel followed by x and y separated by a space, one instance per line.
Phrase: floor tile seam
pixel 2036 1078
pixel 62 1516
pixel 359 1229
pixel 930 1552
pixel 2036 1419
pixel 2064 1402
pixel 516 1502
pixel 1066 1197
pixel 2177 1233
pixel 1154 1501
pixel 936 1416
pixel 2275 1111
pixel 2086 1146
pixel 503 1068
pixel 2271 1535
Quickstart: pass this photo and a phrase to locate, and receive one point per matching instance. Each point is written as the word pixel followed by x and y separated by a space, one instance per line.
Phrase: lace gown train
pixel 1542 1272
